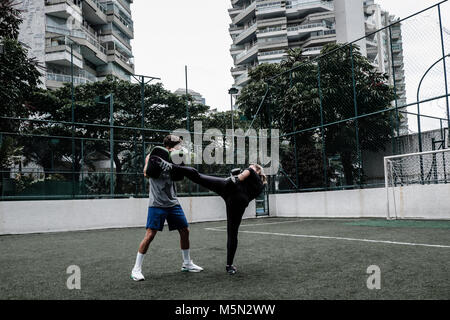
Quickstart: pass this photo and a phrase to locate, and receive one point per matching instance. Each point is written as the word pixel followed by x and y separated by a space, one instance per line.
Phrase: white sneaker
pixel 190 267
pixel 137 275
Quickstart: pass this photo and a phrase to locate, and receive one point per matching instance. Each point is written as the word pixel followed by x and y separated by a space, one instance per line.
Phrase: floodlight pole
pixel 111 142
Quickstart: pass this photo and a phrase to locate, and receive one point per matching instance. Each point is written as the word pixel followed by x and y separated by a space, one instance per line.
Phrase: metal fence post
pixel 111 142
pixel 295 142
pixel 72 92
pixel 355 103
pixel 324 156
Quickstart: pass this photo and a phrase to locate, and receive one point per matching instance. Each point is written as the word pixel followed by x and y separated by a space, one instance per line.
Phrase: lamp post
pixel 232 91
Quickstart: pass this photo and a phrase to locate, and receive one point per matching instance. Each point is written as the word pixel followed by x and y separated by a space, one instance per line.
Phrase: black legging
pixel 236 200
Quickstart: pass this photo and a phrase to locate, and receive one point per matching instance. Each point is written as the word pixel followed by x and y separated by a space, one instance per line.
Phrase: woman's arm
pixel 145 166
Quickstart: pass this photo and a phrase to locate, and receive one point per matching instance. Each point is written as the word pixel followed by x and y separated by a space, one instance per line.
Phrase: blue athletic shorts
pixel 174 215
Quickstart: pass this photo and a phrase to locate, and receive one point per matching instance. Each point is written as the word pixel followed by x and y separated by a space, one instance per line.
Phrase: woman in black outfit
pixel 237 191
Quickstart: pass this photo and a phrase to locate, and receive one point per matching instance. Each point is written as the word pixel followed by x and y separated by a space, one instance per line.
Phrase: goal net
pixel 414 182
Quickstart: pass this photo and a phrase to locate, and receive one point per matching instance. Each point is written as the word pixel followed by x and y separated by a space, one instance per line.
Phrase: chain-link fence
pixel 342 112
pixel 338 115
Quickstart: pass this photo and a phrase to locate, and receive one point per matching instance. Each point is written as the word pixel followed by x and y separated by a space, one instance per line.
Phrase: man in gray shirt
pixel 163 205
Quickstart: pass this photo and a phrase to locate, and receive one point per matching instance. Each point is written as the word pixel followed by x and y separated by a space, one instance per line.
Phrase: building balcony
pixel 399 76
pixel 271 55
pixel 372 50
pixel 269 32
pixel 90 46
pixel 122 19
pixel 246 35
pixel 237 71
pixel 108 35
pixel 233 12
pixel 122 24
pixel 246 14
pixel 396 34
pixel 371 43
pixel 398 62
pixel 234 49
pixel 397 48
pixel 125 5
pixel 302 30
pixel 247 55
pixel 242 80
pixel 236 2
pixel 311 51
pixel 300 9
pixel 58 51
pixel 115 56
pixel 56 80
pixel 270 10
pixel 273 43
pixel 94 12
pixel 63 8
pixel 316 40
pixel 370 26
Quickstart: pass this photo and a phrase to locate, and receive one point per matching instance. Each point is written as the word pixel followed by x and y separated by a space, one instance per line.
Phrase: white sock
pixel 186 255
pixel 139 260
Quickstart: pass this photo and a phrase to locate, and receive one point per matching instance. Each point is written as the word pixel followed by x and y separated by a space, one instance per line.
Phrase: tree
pixel 293 103
pixel 18 77
pixel 18 74
pixel 372 93
pixel 164 112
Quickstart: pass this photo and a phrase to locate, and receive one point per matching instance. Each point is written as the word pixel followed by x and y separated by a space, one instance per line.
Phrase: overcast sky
pixel 175 33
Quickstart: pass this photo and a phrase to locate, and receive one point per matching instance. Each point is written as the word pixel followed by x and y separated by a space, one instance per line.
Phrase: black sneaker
pixel 231 269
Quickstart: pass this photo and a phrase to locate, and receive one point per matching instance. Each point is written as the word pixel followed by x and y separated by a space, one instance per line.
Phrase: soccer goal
pixel 418 184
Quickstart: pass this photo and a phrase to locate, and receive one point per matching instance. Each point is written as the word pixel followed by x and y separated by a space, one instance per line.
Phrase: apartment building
pixel 93 36
pixel 263 31
pixel 197 97
pixel 385 50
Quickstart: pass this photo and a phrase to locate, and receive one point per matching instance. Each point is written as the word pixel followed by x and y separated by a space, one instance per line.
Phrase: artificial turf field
pixel 277 258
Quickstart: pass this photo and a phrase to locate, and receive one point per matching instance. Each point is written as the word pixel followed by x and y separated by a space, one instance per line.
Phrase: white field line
pixel 281 222
pixel 258 224
pixel 338 238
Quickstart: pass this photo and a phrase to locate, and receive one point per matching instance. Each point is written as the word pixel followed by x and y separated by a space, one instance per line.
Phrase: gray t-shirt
pixel 162 193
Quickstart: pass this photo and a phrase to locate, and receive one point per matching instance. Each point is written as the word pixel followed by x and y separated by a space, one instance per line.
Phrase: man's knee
pixel 150 235
pixel 184 232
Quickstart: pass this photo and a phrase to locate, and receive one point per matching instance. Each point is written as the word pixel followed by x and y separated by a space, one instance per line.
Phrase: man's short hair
pixel 171 141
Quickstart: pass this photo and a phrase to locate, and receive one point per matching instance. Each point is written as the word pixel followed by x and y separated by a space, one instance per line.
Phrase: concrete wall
pixel 418 201
pixel 350 22
pixel 18 217
pixel 373 162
